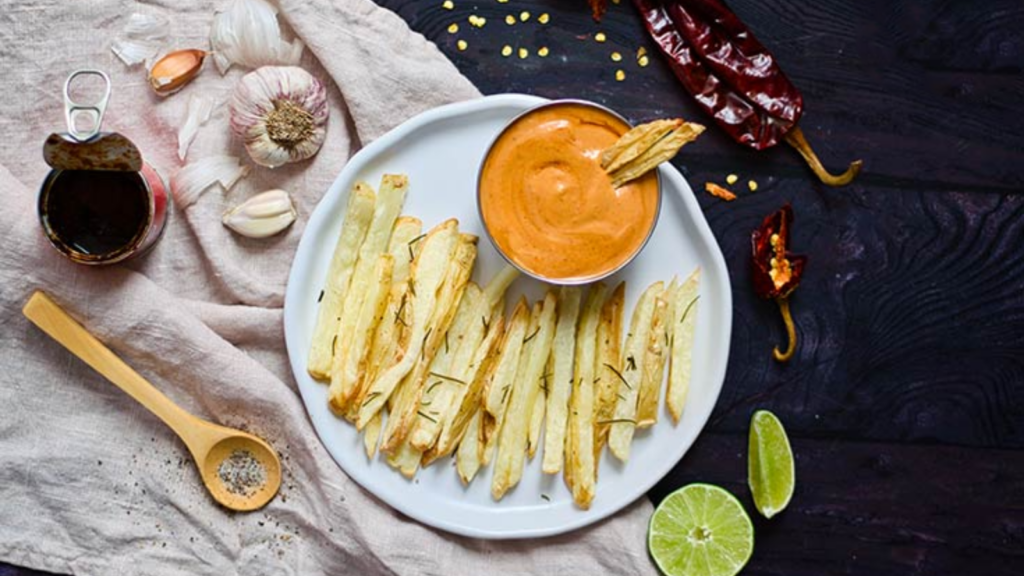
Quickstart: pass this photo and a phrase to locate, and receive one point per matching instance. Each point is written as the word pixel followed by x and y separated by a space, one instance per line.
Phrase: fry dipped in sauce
pixel 549 205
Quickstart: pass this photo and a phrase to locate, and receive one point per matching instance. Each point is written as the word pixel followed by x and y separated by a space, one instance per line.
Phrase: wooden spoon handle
pixel 53 320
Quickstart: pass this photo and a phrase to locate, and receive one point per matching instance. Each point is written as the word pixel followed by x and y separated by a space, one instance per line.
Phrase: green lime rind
pixel 771 471
pixel 700 530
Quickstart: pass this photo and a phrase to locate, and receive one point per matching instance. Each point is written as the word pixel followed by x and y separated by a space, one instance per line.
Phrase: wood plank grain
pixel 926 92
pixel 869 509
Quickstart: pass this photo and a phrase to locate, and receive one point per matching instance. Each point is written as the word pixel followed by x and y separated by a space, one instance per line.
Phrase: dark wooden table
pixel 905 401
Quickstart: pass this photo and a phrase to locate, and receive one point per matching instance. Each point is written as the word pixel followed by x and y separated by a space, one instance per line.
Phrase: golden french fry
pixel 350 363
pixel 441 379
pixel 659 152
pixel 371 435
pixel 499 386
pixel 537 415
pixel 469 400
pixel 635 142
pixel 387 338
pixel 515 433
pixel 684 320
pixel 560 384
pixel 390 198
pixel 406 459
pixel 403 246
pixel 653 366
pixel 581 467
pixel 609 351
pixel 406 412
pixel 427 275
pixel 496 288
pixel 467 458
pixel 630 374
pixel 358 215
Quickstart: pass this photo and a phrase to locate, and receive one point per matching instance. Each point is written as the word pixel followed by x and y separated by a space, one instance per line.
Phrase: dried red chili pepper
pixel 777 271
pixel 732 76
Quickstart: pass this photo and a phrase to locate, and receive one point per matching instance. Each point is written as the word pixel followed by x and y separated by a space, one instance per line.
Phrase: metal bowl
pixel 506 257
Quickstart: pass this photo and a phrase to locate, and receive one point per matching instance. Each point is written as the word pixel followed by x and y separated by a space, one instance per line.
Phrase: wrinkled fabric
pixel 91 483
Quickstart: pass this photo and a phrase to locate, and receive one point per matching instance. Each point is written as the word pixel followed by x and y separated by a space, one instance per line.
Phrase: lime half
pixel 770 470
pixel 700 530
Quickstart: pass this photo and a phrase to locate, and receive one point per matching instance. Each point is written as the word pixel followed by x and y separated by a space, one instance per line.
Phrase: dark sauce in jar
pixel 95 213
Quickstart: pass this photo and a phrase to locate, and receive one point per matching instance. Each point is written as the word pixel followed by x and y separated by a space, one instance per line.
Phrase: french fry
pixel 352 361
pixel 390 198
pixel 358 215
pixel 496 288
pixel 371 435
pixel 406 412
pixel 441 379
pixel 387 338
pixel 499 386
pixel 427 275
pixel 581 467
pixel 467 457
pixel 406 459
pixel 537 414
pixel 609 350
pixel 468 400
pixel 653 367
pixel 561 382
pixel 514 441
pixel 684 320
pixel 630 374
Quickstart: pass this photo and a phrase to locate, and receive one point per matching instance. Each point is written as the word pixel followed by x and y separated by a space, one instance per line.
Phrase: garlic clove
pixel 262 215
pixel 172 72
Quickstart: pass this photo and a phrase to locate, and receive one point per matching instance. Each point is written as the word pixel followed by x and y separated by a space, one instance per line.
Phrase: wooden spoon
pixel 209 443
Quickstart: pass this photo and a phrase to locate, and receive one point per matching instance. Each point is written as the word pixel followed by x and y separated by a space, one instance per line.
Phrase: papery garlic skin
pixel 280 113
pixel 263 215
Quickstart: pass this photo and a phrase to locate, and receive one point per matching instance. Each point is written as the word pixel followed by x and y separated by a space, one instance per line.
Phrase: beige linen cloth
pixel 90 483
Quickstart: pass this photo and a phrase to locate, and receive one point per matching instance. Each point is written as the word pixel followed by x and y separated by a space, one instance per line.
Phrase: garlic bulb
pixel 262 215
pixel 280 112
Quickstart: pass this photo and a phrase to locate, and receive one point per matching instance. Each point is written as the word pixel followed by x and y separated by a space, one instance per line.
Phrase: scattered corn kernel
pixel 544 18
pixel 448 5
pixel 524 15
pixel 542 51
pixel 643 61
pixel 502 1
pixel 510 19
pixel 506 51
pixel 477 21
pixel 616 57
pixel 453 28
pixel 731 179
pixel 523 53
pixel 620 75
pixel 600 37
pixel 462 44
pixel 641 51
pixel 752 185
pixel 616 1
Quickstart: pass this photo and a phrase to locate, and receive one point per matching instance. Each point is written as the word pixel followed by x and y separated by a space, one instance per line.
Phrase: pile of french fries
pixel 424 362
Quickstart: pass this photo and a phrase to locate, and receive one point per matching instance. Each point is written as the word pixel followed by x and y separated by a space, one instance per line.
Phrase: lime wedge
pixel 700 530
pixel 770 470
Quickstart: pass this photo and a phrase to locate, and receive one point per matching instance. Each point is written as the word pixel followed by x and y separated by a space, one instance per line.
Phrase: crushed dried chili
pixel 776 270
pixel 733 77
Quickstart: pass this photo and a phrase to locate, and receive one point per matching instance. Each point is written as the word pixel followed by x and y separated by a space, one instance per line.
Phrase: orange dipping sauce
pixel 548 204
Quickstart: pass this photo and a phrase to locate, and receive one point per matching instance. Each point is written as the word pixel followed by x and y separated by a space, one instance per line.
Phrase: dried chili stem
pixel 796 139
pixel 787 318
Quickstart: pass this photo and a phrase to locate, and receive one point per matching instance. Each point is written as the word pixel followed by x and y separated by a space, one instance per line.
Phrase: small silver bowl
pixel 506 257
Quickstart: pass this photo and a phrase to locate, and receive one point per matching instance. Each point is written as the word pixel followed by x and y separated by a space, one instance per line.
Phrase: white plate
pixel 441 151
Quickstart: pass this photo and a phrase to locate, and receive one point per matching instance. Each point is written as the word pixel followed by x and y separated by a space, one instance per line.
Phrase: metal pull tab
pixel 93 112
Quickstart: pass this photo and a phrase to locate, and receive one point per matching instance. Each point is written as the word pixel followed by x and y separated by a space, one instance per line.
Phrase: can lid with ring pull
pixel 83 146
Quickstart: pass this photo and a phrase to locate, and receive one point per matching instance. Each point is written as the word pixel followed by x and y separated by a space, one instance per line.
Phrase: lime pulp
pixel 771 472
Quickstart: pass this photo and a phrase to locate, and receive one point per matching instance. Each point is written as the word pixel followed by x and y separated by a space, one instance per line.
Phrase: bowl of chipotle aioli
pixel 547 204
